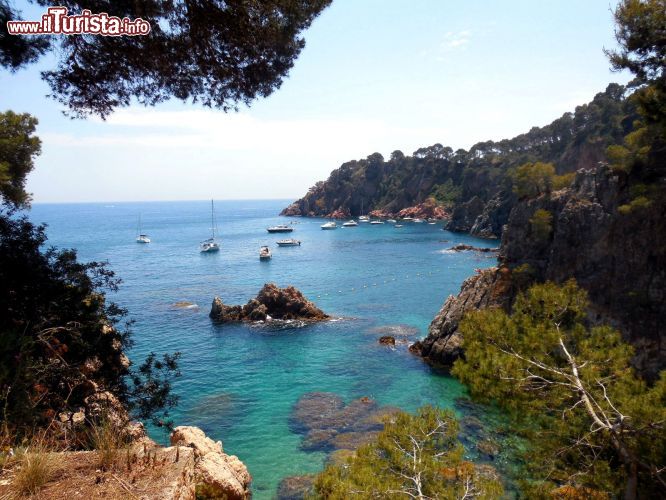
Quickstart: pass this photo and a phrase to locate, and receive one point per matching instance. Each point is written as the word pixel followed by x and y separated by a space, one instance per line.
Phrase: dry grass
pixel 35 466
pixel 109 443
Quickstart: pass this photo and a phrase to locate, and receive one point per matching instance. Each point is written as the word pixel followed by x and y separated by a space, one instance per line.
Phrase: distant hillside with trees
pixel 483 182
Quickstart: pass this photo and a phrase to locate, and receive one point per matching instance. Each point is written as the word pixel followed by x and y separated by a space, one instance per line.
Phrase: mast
pixel 138 227
pixel 212 217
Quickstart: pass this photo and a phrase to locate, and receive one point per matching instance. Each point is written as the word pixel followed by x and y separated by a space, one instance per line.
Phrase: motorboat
pixel 265 253
pixel 210 245
pixel 291 242
pixel 408 218
pixel 280 228
pixel 418 221
pixel 364 218
pixel 350 223
pixel 391 221
pixel 329 225
pixel 377 222
pixel 398 226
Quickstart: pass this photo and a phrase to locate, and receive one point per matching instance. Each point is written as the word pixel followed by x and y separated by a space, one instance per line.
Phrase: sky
pixel 375 76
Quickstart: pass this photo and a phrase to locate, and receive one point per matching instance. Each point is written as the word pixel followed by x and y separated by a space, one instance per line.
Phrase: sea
pixel 240 382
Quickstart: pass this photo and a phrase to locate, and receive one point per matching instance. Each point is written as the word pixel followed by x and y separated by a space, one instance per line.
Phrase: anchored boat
pixel 291 242
pixel 210 245
pixel 265 253
pixel 281 228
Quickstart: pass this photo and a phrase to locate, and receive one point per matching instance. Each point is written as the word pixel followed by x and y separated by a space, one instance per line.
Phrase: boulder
pixel 387 340
pixel 223 475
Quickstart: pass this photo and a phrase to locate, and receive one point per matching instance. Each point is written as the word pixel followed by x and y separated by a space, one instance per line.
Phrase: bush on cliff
pixel 415 456
pixel 61 342
pixel 591 421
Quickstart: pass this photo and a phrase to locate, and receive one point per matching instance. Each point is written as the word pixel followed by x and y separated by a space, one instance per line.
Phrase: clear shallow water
pixel 240 382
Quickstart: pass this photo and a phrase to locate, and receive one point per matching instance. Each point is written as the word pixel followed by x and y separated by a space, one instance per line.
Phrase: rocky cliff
pixel 617 254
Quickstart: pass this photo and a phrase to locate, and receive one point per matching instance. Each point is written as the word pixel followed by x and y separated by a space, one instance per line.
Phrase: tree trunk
pixel 631 488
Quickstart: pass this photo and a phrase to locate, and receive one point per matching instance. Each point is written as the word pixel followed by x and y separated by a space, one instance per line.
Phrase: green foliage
pixel 415 456
pixel 563 181
pixel 591 422
pixel 637 203
pixel 58 334
pixel 639 32
pixel 541 224
pixel 217 53
pixel 533 179
pixel 18 148
pixel 447 194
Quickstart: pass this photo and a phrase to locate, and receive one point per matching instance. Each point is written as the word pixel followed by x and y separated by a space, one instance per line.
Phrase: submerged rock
pixel 328 424
pixel 296 487
pixel 272 302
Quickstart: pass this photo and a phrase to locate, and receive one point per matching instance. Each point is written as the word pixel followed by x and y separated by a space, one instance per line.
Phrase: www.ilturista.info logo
pixel 57 22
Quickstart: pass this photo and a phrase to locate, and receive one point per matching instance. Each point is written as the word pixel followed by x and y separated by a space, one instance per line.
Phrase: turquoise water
pixel 240 382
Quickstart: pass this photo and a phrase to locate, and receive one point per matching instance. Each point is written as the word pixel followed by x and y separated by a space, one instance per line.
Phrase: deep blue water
pixel 240 382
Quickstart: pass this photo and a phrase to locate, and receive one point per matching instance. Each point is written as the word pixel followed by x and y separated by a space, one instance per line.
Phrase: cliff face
pixel 619 258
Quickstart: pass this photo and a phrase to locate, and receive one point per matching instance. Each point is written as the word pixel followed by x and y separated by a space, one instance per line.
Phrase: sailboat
pixel 140 237
pixel 363 218
pixel 210 245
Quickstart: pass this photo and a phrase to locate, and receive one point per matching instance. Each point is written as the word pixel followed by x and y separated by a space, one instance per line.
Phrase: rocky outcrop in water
pixel 271 303
pixel 619 257
pixel 469 248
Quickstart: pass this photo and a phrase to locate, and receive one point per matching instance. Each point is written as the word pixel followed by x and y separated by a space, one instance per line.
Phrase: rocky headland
pixel 271 303
pixel 472 189
pixel 618 256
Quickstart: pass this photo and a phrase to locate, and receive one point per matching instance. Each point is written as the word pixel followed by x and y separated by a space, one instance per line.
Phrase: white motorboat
pixel 265 253
pixel 377 222
pixel 350 223
pixel 329 225
pixel 210 245
pixel 364 218
pixel 418 221
pixel 391 221
pixel 291 242
pixel 140 237
pixel 432 223
pixel 280 228
pixel 408 218
pixel 398 226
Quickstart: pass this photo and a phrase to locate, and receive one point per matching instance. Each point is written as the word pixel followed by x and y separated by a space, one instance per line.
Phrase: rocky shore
pixel 271 303
pixel 428 209
pixel 194 466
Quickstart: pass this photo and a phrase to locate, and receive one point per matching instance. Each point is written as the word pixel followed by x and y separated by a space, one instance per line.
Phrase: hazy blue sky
pixel 376 75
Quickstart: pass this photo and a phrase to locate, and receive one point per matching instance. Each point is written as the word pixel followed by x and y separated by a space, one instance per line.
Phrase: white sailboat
pixel 210 245
pixel 140 237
